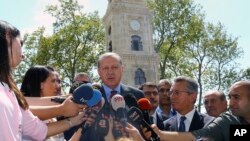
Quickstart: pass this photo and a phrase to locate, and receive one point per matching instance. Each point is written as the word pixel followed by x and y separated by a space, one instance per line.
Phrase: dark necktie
pixel 182 124
pixel 112 93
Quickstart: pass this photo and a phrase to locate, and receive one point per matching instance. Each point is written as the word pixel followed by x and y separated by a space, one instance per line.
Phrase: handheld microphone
pixel 94 109
pixel 102 127
pixel 120 121
pixel 145 106
pixel 118 104
pixel 130 100
pixel 136 116
pixel 58 99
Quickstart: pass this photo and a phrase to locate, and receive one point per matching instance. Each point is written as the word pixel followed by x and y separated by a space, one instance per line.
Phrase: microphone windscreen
pixel 99 105
pixel 95 99
pixel 144 104
pixel 117 101
pixel 82 94
pixel 131 100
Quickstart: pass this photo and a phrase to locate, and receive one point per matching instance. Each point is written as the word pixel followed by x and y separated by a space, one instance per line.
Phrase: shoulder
pixel 170 120
pixel 129 89
pixel 205 117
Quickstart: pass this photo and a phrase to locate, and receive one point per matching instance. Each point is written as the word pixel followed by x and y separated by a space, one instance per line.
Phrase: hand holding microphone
pixel 136 116
pixel 120 121
pixel 145 105
pixel 94 108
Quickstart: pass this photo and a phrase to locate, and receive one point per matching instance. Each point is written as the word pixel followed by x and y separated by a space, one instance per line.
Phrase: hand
pixel 76 120
pixel 89 116
pixel 147 134
pixel 133 133
pixel 69 108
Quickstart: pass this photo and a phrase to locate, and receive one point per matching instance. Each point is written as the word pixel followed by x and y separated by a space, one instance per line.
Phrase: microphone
pixel 102 127
pixel 136 116
pixel 118 104
pixel 94 109
pixel 130 100
pixel 58 99
pixel 145 106
pixel 84 94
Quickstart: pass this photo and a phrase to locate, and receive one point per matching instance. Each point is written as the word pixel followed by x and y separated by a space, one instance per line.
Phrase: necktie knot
pixel 112 93
pixel 182 124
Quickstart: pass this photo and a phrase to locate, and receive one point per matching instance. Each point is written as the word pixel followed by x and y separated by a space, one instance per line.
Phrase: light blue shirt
pixel 108 90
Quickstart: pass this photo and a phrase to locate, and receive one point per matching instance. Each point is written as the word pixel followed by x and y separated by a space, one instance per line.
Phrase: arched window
pixel 136 44
pixel 139 77
pixel 109 33
pixel 110 49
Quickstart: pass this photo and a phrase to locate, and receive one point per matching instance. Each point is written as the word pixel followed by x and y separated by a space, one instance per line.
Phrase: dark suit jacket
pixel 199 121
pixel 159 120
pixel 93 133
pixel 126 90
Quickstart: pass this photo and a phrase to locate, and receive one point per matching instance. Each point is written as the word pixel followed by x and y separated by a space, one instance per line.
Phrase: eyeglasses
pixel 177 93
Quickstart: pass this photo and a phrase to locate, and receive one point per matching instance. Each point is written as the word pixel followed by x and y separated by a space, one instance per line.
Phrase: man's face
pixel 213 104
pixel 151 93
pixel 182 100
pixel 164 99
pixel 239 102
pixel 110 71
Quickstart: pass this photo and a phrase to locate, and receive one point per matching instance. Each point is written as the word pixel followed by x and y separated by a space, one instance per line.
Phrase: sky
pixel 28 15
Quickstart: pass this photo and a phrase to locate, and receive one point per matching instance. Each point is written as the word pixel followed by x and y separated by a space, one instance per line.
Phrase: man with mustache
pixel 150 90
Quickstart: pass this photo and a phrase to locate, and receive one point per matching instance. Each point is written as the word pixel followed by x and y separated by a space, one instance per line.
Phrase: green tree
pixel 170 22
pixel 76 41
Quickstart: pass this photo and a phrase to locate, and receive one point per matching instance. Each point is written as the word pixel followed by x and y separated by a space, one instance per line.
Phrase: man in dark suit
pixel 183 94
pixel 110 70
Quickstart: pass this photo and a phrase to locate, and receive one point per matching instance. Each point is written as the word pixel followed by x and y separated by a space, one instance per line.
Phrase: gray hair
pixel 109 54
pixel 192 85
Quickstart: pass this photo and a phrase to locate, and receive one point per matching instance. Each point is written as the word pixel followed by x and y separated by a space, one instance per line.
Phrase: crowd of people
pixel 29 114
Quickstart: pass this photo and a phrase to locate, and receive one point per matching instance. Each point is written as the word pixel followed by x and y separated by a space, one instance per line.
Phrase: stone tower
pixel 129 33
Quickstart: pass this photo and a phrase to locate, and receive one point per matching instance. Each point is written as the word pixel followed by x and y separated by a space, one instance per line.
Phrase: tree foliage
pixel 189 46
pixel 76 41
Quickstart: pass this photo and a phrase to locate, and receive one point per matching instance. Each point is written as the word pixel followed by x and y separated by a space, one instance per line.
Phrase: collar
pixel 189 116
pixel 108 90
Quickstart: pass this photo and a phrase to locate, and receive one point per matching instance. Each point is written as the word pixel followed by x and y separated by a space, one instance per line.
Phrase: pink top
pixel 15 123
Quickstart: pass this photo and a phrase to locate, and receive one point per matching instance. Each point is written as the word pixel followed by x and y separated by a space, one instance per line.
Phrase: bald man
pixel 215 103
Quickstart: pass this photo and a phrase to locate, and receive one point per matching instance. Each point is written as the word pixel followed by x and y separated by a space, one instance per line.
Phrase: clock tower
pixel 128 32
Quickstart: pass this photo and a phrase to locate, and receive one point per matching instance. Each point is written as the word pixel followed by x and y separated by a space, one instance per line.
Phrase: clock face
pixel 134 24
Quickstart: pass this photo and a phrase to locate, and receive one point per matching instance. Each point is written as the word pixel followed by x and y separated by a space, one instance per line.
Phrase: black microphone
pixel 130 100
pixel 145 106
pixel 58 99
pixel 102 127
pixel 135 115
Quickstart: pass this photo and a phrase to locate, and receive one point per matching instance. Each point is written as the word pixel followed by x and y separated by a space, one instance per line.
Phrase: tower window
pixel 110 47
pixel 109 31
pixel 136 44
pixel 139 77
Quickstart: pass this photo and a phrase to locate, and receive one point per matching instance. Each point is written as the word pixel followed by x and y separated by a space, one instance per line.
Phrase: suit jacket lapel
pixel 197 122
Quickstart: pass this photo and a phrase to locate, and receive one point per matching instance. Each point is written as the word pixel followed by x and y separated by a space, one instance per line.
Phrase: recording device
pixel 102 126
pixel 90 111
pixel 118 104
pixel 58 99
pixel 145 105
pixel 136 116
pixel 130 100
pixel 84 94
pixel 94 109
